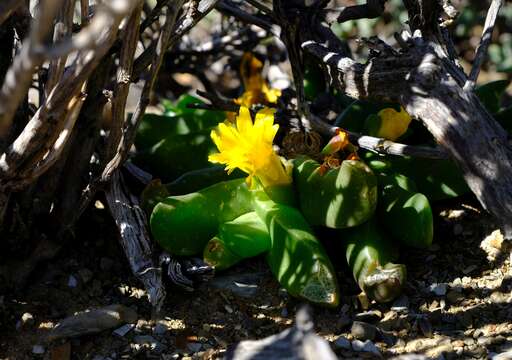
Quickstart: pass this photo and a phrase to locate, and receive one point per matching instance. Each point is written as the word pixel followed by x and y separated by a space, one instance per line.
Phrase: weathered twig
pixel 481 51
pixel 153 15
pixel 128 135
pixel 379 145
pixel 219 103
pixel 36 134
pixel 19 77
pixel 370 10
pixel 124 71
pixel 224 6
pixel 63 29
pixel 132 224
pixel 47 158
pixel 260 6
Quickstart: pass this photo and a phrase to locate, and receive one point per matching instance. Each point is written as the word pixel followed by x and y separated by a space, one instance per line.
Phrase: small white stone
pixel 438 289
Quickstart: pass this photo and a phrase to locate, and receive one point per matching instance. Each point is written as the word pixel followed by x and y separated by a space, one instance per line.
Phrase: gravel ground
pixel 455 304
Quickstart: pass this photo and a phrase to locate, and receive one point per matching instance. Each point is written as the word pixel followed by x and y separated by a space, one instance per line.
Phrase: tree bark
pixel 431 88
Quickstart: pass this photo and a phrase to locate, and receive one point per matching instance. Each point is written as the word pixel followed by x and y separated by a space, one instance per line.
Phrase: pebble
pixel 390 321
pixel 490 340
pixel 38 350
pixel 388 337
pixel 497 297
pixel 144 339
pixel 363 331
pixel 420 345
pixel 502 356
pixel 123 330
pixel 342 343
pixel 150 341
pixel 466 280
pixel 72 281
pixel 439 350
pixel 160 329
pixel 243 285
pixel 194 347
pixel 27 319
pixel 469 341
pixel 366 346
pixel 401 304
pixel 369 316
pixel 438 289
pixel 173 356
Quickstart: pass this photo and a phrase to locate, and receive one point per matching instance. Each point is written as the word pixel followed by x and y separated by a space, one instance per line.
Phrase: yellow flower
pixel 393 124
pixel 248 146
pixel 256 89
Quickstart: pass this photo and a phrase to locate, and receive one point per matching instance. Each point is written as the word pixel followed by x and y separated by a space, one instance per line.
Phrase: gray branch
pixel 134 237
pixel 485 41
pixel 428 89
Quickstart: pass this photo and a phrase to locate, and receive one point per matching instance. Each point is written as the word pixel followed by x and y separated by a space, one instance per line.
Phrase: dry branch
pixel 128 136
pixel 43 128
pixel 132 224
pixel 481 51
pixel 19 77
pixel 427 87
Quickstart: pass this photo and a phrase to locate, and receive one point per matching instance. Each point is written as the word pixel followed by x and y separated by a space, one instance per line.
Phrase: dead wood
pixel 134 237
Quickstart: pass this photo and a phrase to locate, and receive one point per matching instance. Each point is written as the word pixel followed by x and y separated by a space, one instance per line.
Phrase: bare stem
pixel 485 41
